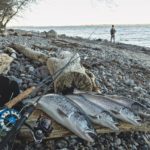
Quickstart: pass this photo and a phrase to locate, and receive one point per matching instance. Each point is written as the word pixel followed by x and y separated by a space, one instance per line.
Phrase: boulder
pixel 51 34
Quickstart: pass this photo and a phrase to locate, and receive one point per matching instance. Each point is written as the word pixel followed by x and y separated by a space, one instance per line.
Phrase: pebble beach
pixel 120 69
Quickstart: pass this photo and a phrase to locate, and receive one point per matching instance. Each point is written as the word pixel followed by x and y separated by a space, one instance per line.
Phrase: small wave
pixel 125 33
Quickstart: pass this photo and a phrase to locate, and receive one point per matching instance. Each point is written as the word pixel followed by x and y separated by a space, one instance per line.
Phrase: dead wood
pixel 73 76
pixel 41 47
pixel 63 43
pixel 20 97
pixel 5 62
pixel 59 131
pixel 35 55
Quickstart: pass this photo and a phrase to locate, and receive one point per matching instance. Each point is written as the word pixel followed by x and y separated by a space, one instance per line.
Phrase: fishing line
pixel 56 74
pixel 54 77
pixel 93 32
pixel 46 80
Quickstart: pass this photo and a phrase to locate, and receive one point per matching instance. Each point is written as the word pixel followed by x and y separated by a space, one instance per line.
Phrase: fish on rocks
pixel 117 110
pixel 97 114
pixel 135 106
pixel 68 114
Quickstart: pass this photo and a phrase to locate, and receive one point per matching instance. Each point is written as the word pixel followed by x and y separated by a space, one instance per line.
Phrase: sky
pixel 84 12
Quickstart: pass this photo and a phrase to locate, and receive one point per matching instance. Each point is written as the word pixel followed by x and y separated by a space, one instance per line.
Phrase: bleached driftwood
pixel 9 50
pixel 41 47
pixel 60 131
pixel 5 62
pixel 64 43
pixel 35 55
pixel 73 76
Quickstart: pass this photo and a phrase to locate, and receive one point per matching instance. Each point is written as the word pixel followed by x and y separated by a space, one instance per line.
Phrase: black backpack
pixel 8 89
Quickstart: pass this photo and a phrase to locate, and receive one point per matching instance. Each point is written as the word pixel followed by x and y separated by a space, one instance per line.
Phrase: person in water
pixel 112 33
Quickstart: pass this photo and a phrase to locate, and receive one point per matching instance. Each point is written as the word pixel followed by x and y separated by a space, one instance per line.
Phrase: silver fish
pixel 117 110
pixel 97 114
pixel 135 106
pixel 68 114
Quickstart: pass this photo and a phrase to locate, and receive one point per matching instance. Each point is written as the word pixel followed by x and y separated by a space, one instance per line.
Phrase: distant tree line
pixel 10 8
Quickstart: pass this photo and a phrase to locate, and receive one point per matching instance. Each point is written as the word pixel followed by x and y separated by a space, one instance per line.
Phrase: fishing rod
pixel 93 32
pixel 21 121
pixel 18 122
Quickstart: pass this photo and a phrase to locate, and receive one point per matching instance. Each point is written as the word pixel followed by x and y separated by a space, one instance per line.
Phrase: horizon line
pixel 77 25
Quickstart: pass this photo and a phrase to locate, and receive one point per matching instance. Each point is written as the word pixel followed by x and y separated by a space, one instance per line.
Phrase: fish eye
pixel 104 113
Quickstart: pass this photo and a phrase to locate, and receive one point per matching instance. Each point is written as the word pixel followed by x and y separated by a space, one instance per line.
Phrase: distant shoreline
pixel 120 69
pixel 129 34
pixel 11 26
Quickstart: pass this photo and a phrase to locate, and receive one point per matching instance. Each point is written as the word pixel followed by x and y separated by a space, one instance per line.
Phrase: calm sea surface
pixel 130 34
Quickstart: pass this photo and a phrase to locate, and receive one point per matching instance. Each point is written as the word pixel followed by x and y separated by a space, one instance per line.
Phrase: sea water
pixel 130 34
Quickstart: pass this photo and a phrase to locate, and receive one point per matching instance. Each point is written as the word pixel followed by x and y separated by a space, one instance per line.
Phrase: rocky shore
pixel 120 69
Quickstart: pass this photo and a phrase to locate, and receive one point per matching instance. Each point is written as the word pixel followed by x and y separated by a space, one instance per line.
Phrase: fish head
pixel 140 109
pixel 107 120
pixel 85 128
pixel 130 117
pixel 90 135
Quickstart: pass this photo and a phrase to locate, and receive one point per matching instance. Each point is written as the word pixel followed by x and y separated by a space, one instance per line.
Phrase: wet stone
pixel 134 147
pixel 121 148
pixel 24 86
pixel 118 141
pixel 19 81
pixel 61 144
pixel 13 55
pixel 31 69
pixel 123 76
pixel 129 82
pixel 145 147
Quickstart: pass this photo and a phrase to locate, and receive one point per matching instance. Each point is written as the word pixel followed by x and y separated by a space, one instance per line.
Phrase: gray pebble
pixel 118 141
pixel 31 69
pixel 13 55
pixel 62 144
pixel 129 82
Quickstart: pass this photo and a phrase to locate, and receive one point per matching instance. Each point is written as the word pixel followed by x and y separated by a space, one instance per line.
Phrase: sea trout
pixel 97 114
pixel 68 114
pixel 135 106
pixel 117 110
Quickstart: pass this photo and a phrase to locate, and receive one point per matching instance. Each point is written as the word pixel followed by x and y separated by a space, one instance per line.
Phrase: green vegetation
pixel 9 9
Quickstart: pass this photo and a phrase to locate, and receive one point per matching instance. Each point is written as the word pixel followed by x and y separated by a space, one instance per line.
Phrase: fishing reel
pixel 8 119
pixel 42 129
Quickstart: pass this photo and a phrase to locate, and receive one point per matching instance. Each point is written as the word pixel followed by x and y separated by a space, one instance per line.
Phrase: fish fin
pixel 93 117
pixel 115 112
pixel 61 113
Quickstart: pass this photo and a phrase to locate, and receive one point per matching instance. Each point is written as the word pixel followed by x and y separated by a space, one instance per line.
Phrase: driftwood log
pixel 73 76
pixel 34 46
pixel 59 131
pixel 5 62
pixel 35 55
pixel 64 43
